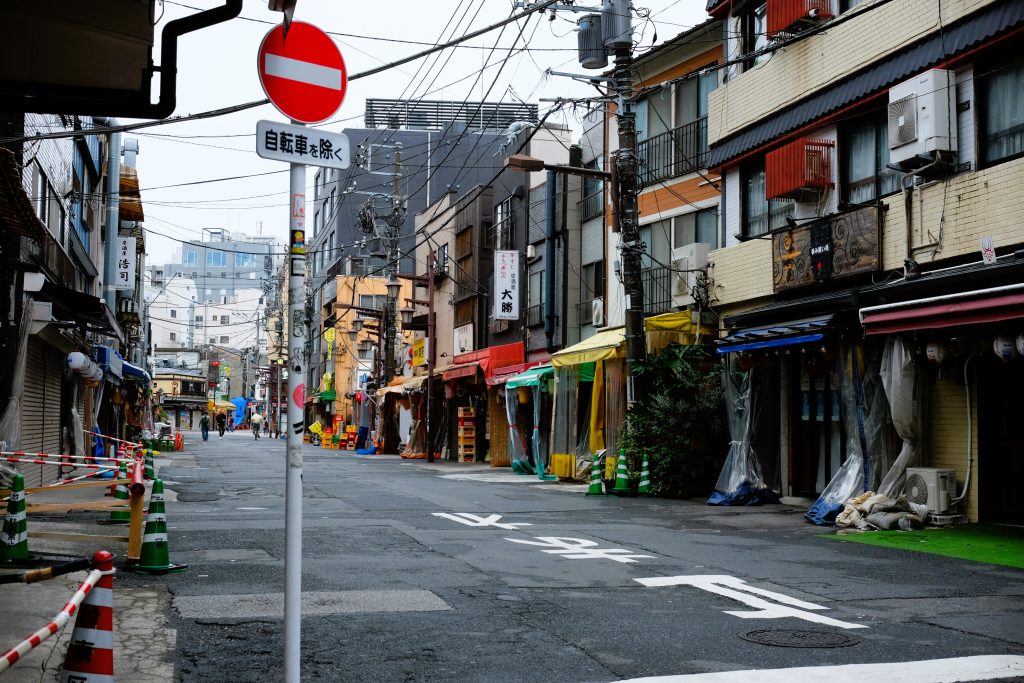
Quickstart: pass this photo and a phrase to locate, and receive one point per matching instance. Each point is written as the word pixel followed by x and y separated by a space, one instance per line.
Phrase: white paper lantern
pixel 1003 347
pixel 935 352
pixel 77 360
pixel 1020 343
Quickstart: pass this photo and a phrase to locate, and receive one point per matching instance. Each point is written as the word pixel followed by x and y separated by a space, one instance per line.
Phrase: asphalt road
pixel 538 582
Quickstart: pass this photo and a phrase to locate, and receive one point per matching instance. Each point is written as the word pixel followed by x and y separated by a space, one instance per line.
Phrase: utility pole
pixel 431 350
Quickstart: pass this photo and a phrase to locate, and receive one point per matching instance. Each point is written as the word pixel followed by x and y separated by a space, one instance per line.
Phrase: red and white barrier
pixel 103 570
pixel 33 461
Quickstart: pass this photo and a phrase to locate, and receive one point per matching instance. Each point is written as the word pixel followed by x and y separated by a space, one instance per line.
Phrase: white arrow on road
pixel 580 549
pixel 737 589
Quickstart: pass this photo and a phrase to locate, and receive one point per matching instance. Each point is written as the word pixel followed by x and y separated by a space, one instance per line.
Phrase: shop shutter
pixel 40 410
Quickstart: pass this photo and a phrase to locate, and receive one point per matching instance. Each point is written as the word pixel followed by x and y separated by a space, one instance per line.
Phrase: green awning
pixel 531 378
pixel 328 395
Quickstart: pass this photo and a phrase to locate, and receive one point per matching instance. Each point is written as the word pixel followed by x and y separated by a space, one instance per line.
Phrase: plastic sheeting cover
pixel 863 410
pixel 902 381
pixel 741 481
pixel 517 454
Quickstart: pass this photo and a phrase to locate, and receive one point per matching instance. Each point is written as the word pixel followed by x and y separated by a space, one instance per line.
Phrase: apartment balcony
pixel 592 206
pixel 674 153
pixel 657 282
pixel 535 315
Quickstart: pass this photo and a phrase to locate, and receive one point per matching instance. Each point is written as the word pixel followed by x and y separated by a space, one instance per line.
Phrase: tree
pixel 681 426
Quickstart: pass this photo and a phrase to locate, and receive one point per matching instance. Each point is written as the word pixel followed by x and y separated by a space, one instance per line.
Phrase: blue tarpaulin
pixel 240 405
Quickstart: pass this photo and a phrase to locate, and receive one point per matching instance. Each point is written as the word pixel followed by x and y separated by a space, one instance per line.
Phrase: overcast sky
pixel 217 69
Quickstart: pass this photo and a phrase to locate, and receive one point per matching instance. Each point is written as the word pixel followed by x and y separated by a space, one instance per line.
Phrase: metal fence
pixel 657 283
pixel 592 205
pixel 674 153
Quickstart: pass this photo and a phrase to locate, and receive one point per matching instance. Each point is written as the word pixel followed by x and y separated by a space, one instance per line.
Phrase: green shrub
pixel 681 425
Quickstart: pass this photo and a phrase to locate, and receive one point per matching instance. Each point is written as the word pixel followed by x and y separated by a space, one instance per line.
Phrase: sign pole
pixel 293 477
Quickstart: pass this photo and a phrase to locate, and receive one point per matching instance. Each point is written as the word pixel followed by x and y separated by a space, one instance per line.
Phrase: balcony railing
pixel 585 311
pixel 657 283
pixel 592 205
pixel 535 315
pixel 674 153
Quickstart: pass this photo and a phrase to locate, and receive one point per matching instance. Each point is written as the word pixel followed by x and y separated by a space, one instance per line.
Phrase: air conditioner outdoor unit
pixel 932 486
pixel 597 312
pixel 692 257
pixel 922 119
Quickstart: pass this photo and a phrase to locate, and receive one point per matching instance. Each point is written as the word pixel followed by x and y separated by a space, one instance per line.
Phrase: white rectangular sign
pixel 124 272
pixel 301 145
pixel 506 285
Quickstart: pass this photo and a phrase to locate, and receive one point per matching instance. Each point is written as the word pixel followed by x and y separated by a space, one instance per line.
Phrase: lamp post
pixel 394 286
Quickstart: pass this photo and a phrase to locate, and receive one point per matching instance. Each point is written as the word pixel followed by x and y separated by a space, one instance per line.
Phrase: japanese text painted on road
pixel 301 145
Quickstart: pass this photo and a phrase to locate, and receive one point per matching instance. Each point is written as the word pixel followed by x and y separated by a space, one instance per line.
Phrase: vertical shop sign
pixel 124 274
pixel 506 285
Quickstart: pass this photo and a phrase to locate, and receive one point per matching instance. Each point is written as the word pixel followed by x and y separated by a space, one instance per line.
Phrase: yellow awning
pixel 602 346
pixel 675 327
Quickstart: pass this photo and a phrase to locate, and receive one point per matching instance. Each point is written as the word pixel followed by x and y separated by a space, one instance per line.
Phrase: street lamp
pixel 357 324
pixel 352 334
pixel 394 286
pixel 406 312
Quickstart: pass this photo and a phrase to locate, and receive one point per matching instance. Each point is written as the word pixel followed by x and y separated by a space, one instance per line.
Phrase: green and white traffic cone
pixel 645 477
pixel 621 476
pixel 596 489
pixel 14 537
pixel 149 472
pixel 121 515
pixel 155 555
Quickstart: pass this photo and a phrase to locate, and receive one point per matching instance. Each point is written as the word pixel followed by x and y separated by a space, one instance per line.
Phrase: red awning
pixel 461 370
pixel 489 360
pixel 506 373
pixel 930 316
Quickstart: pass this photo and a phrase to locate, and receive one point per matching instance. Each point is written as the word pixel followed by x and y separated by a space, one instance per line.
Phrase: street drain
pixel 787 638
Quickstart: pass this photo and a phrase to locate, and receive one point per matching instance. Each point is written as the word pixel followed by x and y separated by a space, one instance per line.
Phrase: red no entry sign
pixel 304 76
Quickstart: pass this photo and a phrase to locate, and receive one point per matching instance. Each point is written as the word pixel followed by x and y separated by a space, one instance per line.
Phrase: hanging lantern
pixel 523 394
pixel 1003 347
pixel 1020 343
pixel 935 352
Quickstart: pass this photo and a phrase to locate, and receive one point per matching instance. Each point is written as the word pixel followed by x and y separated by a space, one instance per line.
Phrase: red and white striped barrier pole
pixel 33 461
pixel 103 566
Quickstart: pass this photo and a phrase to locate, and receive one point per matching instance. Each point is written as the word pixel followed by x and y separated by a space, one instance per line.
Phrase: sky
pixel 218 68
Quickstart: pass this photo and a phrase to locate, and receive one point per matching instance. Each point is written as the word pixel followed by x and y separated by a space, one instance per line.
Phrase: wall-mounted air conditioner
pixel 597 312
pixel 688 260
pixel 922 119
pixel 931 486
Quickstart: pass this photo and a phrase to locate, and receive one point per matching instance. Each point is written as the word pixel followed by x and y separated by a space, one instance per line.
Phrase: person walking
pixel 222 423
pixel 255 422
pixel 204 426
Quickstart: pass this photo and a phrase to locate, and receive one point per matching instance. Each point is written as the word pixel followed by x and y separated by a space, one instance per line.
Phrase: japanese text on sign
pixel 506 285
pixel 301 145
pixel 124 273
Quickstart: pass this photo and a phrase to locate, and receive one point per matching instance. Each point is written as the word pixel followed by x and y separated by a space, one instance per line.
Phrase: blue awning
pixel 786 334
pixel 130 370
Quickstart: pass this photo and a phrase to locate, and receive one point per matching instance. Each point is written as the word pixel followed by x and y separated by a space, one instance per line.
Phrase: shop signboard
pixel 506 285
pixel 826 249
pixel 124 268
pixel 419 351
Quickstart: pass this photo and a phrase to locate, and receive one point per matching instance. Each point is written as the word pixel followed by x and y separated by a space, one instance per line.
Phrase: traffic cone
pixel 155 556
pixel 149 473
pixel 596 489
pixel 121 515
pixel 14 537
pixel 621 476
pixel 90 656
pixel 645 477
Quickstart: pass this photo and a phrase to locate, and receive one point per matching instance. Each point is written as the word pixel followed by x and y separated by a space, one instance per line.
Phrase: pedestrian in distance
pixel 255 422
pixel 222 423
pixel 204 426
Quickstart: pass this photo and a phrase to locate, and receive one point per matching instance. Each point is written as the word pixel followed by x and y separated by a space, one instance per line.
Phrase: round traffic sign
pixel 304 75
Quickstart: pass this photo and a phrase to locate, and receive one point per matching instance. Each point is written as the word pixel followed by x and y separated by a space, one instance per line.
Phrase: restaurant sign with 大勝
pixel 506 285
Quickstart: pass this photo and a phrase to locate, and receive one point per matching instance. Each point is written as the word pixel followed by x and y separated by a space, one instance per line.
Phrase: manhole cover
pixel 784 638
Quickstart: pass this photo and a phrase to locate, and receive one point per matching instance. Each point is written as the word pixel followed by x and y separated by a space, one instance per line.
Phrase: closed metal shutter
pixel 40 410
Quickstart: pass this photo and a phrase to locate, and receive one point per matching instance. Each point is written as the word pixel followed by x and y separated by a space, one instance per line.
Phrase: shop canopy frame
pixel 775 336
pixel 982 306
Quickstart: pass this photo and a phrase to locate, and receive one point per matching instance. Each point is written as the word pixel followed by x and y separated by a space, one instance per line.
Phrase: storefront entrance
pixel 1000 439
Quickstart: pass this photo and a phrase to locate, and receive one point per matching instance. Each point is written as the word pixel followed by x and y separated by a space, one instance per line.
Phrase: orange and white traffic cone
pixel 90 656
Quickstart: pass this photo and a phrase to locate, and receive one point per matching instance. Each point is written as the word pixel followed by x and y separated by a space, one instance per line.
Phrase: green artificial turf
pixel 994 544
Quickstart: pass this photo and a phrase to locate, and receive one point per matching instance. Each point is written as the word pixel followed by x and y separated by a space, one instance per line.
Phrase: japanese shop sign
pixel 301 145
pixel 506 285
pixel 419 351
pixel 124 273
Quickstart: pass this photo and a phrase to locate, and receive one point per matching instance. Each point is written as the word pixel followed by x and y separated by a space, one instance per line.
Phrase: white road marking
pixel 737 589
pixel 977 668
pixel 469 519
pixel 580 549
pixel 250 508
pixel 303 72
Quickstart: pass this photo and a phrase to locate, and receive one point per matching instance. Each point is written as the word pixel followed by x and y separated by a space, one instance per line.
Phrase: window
pixel 657 237
pixel 174 313
pixel 698 226
pixel 216 259
pixel 864 153
pixel 174 337
pixel 213 340
pixel 245 260
pixel 754 25
pixel 535 300
pixel 224 339
pixel 199 318
pixel 330 248
pixel 316 224
pixel 224 319
pixel 846 5
pixel 1002 113
pixel 761 215
pixel 190 258
pixel 504 226
pixel 593 281
pixel 374 301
